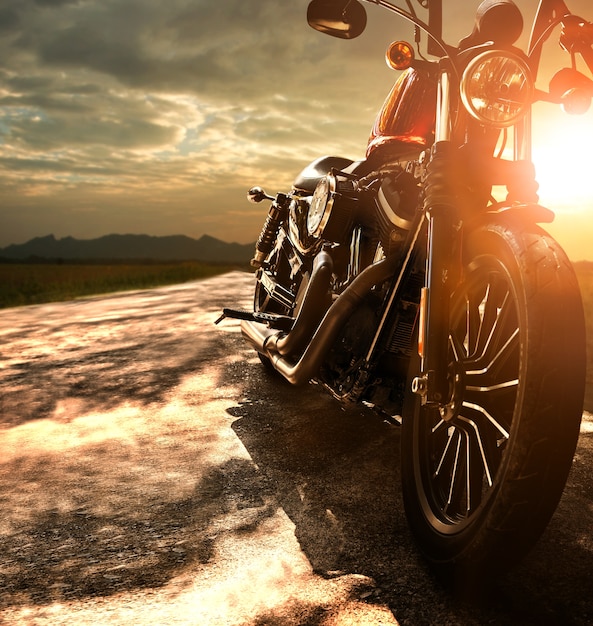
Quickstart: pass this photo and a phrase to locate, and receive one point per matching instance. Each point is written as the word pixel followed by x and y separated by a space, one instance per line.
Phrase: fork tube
pixel 522 139
pixel 443 118
pixel 436 296
pixel 433 384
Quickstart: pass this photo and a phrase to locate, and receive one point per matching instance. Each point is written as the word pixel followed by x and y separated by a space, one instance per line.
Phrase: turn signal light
pixel 400 55
pixel 573 90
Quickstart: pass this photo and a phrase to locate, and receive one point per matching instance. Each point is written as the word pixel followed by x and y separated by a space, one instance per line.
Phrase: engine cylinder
pixel 396 204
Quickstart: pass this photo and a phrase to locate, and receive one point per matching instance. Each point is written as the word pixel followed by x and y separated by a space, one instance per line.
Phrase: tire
pixel 480 486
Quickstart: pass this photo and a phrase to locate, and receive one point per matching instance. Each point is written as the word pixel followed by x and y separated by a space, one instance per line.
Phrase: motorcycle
pixel 400 281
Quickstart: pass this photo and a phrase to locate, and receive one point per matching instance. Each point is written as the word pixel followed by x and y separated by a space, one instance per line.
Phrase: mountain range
pixel 122 247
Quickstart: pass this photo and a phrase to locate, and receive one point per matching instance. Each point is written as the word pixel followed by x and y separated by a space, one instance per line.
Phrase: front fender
pixel 526 213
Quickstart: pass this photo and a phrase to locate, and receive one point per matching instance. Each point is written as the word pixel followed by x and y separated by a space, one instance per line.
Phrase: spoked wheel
pixel 483 474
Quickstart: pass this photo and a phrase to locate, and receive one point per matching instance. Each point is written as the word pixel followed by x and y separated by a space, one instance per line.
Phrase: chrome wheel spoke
pixel 456 473
pixel 488 361
pixel 445 453
pixel 467 442
pixel 465 468
pixel 497 425
pixel 480 449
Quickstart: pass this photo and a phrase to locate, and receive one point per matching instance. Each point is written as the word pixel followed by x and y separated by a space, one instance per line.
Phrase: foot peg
pixel 273 320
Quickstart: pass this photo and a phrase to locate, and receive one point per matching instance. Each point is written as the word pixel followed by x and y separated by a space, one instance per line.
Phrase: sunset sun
pixel 562 157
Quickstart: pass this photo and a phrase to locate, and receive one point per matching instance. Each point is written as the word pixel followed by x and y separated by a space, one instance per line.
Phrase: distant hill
pixel 121 247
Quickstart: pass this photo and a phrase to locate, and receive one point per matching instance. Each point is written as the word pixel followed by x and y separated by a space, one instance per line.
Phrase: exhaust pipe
pixel 316 302
pixel 266 340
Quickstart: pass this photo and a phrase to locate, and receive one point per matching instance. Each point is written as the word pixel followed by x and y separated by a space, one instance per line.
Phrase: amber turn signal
pixel 399 55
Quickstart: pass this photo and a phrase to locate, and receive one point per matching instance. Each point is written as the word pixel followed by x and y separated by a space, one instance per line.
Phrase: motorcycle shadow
pixel 335 472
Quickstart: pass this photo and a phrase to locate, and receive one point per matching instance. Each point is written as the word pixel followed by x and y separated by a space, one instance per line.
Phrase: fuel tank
pixel 405 124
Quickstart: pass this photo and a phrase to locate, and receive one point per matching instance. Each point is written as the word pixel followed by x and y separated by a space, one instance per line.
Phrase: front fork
pixel 439 205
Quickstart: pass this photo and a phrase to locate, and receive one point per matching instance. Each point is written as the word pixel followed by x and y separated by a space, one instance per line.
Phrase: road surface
pixel 151 472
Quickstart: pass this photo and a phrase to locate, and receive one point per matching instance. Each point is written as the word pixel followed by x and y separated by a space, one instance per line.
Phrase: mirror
pixel 345 19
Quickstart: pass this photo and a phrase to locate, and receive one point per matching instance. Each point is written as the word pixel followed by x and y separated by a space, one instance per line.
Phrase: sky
pixel 144 116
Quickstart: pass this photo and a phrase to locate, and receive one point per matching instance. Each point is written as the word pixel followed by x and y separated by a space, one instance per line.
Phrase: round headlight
pixel 321 205
pixel 497 88
pixel 332 207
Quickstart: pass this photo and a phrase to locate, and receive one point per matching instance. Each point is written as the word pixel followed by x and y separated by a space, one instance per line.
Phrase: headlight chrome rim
pixel 511 101
pixel 321 205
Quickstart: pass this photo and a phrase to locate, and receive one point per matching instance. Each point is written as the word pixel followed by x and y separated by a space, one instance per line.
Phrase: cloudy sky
pixel 146 116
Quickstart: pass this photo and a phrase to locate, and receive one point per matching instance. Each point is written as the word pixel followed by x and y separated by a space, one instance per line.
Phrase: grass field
pixel 585 275
pixel 34 283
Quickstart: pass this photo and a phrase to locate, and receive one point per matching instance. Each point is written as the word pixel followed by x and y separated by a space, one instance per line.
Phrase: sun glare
pixel 562 157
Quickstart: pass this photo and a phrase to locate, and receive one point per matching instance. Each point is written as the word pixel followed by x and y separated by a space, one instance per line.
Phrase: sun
pixel 562 156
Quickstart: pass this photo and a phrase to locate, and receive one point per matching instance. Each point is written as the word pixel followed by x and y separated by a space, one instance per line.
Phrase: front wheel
pixel 482 476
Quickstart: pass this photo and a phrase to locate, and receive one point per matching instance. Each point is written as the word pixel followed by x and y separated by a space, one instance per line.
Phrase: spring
pixel 265 242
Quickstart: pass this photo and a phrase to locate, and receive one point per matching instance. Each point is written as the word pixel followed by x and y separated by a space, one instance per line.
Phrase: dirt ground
pixel 152 473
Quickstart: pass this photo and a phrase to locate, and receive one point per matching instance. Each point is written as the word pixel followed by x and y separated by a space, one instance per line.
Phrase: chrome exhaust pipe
pixel 316 302
pixel 265 340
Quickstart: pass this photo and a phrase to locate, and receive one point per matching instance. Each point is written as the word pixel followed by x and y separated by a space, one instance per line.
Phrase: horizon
pixel 132 247
pixel 56 238
pixel 204 235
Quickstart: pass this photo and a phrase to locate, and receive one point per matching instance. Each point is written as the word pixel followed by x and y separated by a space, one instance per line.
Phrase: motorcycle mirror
pixel 257 194
pixel 345 19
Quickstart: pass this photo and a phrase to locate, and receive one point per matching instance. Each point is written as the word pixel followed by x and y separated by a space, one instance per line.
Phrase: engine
pixel 342 200
pixel 396 202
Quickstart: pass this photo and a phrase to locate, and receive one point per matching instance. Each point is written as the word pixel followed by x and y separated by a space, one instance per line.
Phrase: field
pixel 34 283
pixel 585 275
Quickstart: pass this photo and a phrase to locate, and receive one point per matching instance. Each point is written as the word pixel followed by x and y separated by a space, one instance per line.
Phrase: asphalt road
pixel 151 472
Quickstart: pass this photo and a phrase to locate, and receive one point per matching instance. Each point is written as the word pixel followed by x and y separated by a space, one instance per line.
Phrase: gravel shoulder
pixel 151 472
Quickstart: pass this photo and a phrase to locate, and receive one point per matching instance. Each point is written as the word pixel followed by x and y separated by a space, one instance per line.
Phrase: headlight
pixel 497 88
pixel 332 207
pixel 322 203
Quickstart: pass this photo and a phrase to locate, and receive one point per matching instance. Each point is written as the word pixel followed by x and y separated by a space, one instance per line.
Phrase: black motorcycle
pixel 400 282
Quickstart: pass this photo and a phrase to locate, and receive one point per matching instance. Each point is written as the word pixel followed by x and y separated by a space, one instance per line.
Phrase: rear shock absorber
pixel 276 216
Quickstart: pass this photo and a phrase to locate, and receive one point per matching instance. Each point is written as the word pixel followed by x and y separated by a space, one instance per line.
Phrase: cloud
pixel 159 115
pixel 102 98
